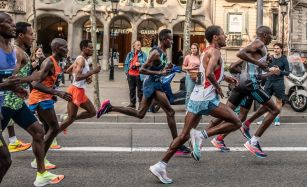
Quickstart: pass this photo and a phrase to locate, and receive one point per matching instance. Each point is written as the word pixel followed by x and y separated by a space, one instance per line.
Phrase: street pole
pixel 187 27
pixel 283 33
pixel 111 76
pixel 34 45
pixel 259 13
pixel 94 57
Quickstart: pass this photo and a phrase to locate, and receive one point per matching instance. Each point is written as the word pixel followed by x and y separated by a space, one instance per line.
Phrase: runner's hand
pixel 97 69
pixel 11 83
pixel 220 92
pixel 231 80
pixel 263 65
pixel 89 80
pixel 64 95
pixel 165 72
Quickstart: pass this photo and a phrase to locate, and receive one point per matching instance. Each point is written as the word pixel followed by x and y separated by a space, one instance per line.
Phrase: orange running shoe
pixel 18 146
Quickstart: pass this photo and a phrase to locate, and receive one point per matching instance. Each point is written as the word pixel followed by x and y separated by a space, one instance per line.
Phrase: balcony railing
pixel 16 6
pixel 234 39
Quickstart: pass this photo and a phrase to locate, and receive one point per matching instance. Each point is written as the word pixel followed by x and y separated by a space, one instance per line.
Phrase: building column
pixel 70 36
pixel 106 46
pixel 134 34
pixel 170 50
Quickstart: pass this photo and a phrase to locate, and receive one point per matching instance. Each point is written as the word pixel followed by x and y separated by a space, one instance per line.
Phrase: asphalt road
pixel 87 158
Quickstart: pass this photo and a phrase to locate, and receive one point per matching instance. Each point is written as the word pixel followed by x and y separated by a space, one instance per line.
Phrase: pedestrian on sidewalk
pixel 191 65
pixel 134 60
pixel 275 84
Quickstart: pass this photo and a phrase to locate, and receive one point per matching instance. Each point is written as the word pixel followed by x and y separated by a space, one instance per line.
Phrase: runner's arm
pixel 154 55
pixel 69 70
pixel 80 63
pixel 236 66
pixel 214 56
pixel 42 74
pixel 246 53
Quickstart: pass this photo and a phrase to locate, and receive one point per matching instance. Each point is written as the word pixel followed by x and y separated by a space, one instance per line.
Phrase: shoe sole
pixel 182 153
pixel 158 176
pixel 55 147
pixel 49 182
pixel 255 154
pixel 19 150
pixel 220 149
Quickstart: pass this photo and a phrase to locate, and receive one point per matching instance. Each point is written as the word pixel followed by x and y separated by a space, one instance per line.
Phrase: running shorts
pixel 202 107
pixel 22 117
pixel 78 95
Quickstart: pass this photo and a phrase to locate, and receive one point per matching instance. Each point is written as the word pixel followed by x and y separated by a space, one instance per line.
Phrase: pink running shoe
pixel 255 149
pixel 104 108
pixel 220 145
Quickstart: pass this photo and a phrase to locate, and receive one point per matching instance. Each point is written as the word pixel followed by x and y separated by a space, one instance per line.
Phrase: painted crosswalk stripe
pixel 163 149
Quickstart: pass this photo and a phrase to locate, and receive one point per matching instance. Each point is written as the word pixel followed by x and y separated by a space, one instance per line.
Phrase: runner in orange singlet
pixel 41 97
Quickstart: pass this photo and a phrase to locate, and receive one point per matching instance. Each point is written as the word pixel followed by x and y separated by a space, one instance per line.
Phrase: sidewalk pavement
pixel 118 93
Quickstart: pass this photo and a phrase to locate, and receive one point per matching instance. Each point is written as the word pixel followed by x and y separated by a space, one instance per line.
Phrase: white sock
pixel 13 139
pixel 255 140
pixel 203 134
pixel 162 164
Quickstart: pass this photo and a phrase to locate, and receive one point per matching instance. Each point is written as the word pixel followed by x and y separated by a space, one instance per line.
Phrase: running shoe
pixel 48 165
pixel 160 173
pixel 196 143
pixel 245 131
pixel 259 122
pixel 183 150
pixel 64 117
pixel 277 121
pixel 55 144
pixel 47 178
pixel 104 108
pixel 18 146
pixel 255 149
pixel 220 145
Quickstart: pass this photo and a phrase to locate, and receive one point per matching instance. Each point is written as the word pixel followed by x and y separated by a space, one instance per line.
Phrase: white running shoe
pixel 259 122
pixel 196 142
pixel 160 172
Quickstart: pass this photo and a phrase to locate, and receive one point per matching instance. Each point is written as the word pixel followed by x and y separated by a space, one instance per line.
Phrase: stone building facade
pixel 298 27
pixel 142 19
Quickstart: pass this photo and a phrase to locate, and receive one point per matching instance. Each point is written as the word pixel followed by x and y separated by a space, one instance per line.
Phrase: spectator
pixel 191 65
pixel 275 84
pixel 134 60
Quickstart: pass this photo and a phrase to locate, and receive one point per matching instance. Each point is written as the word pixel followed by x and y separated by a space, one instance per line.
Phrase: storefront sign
pixel 235 22
pixel 148 32
pixel 97 29
pixel 122 31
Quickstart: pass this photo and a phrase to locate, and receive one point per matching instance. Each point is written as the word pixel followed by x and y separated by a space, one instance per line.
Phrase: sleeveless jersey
pixel 86 68
pixel 37 96
pixel 205 90
pixel 7 66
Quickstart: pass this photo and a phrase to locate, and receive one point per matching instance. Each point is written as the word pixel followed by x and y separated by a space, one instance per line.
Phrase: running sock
pixel 12 139
pixel 162 164
pixel 255 140
pixel 219 137
pixel 203 134
pixel 247 123
pixel 41 174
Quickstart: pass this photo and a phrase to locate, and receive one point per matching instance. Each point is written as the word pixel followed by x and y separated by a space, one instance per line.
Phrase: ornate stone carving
pixel 50 1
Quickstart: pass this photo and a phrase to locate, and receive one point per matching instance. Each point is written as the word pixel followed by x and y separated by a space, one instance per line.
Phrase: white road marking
pixel 153 123
pixel 163 149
